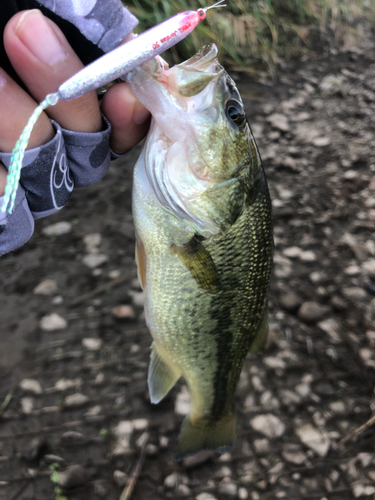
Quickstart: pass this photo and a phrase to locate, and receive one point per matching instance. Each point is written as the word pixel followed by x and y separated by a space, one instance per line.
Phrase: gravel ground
pixel 75 417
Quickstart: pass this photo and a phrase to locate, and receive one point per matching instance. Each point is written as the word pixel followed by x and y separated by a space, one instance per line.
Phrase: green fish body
pixel 202 214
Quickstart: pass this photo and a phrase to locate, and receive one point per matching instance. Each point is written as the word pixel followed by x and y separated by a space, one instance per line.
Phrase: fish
pixel 203 224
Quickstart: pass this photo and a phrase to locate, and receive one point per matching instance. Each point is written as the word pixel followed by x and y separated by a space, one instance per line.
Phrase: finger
pixel 128 117
pixel 43 58
pixel 16 108
pixel 3 179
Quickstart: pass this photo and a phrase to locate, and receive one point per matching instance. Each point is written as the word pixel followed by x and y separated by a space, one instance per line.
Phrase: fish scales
pixel 204 260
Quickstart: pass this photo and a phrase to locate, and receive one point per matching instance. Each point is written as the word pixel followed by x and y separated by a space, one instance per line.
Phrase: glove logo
pixel 60 175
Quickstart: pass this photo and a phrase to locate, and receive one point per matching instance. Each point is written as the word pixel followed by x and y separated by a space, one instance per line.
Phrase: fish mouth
pixel 183 103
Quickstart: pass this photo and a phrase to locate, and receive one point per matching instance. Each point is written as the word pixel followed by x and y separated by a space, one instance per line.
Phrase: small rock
pixel 338 303
pixel 122 446
pixel 279 121
pixel 289 397
pixel 292 252
pixel 164 442
pixel 224 471
pixel 123 312
pixel 51 459
pixel 261 445
pixel 73 477
pixel 31 385
pixel 57 229
pixel 92 344
pixel 317 104
pixel 290 163
pixel 227 487
pixel 182 404
pixel 140 424
pixel 198 459
pixel 311 312
pixel 93 412
pixel 321 141
pixel 337 407
pixel 370 334
pixel 307 256
pixel 101 489
pixel 72 437
pixel 171 481
pixel 306 133
pixel 324 389
pixel 120 478
pixel 332 84
pixel 292 453
pixel 37 448
pixel 369 267
pixel 138 298
pixel 205 496
pixel 290 301
pixel 301 117
pixel 93 260
pixel 52 322
pixel 365 458
pixel 27 405
pixel 115 273
pixel 370 314
pixel 243 494
pixel 268 424
pixel 367 355
pixel 152 450
pixel 46 287
pixel 354 293
pixel 360 490
pixel 92 241
pixel 142 440
pixel 317 277
pixel 63 384
pixel 352 270
pixel 226 457
pixel 75 400
pixel 274 362
pixel 183 490
pixel 332 328
pixel 303 389
pixel 56 301
pixel 123 428
pixel 314 439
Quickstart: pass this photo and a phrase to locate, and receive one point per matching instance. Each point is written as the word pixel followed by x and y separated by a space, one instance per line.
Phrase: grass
pixel 249 32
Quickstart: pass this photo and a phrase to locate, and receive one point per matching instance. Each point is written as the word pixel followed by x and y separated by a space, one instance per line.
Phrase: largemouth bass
pixel 202 214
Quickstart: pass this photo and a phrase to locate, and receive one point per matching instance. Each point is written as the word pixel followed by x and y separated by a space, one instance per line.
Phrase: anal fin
pixel 162 376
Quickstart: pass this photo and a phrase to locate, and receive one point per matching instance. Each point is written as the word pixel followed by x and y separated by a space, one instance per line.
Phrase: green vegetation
pixel 248 32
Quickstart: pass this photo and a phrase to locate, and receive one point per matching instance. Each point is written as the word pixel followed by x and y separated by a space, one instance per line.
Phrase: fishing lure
pixel 107 68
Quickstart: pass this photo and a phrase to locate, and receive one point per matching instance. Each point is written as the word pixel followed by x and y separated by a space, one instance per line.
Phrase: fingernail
pixel 37 35
pixel 3 79
pixel 140 114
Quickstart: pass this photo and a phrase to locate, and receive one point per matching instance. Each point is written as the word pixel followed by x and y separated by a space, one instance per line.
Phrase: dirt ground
pixel 75 416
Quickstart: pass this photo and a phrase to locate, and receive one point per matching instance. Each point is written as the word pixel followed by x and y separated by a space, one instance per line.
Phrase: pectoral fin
pixel 261 336
pixel 200 264
pixel 162 376
pixel 140 257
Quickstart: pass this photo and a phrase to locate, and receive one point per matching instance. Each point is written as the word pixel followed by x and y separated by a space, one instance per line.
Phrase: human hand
pixel 43 59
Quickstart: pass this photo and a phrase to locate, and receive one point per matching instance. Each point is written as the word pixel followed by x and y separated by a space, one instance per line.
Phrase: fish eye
pixel 235 112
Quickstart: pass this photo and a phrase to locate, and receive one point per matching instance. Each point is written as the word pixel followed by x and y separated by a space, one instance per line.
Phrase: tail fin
pixel 205 435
